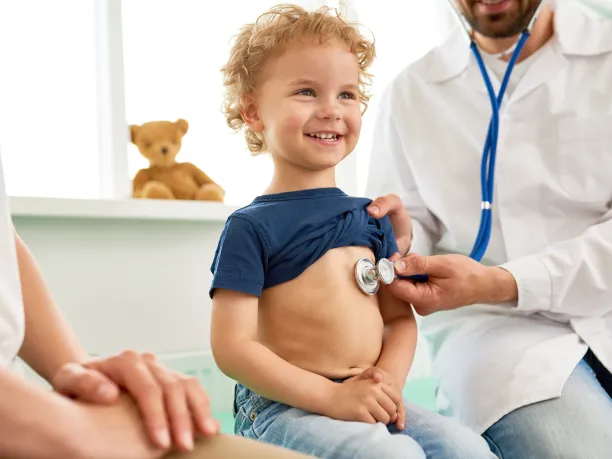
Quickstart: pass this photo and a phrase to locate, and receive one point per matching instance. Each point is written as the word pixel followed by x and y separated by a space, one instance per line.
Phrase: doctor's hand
pixel 454 281
pixel 392 206
pixel 174 407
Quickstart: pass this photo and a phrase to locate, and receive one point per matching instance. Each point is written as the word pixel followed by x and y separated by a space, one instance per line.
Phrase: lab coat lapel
pixel 548 64
pixel 474 78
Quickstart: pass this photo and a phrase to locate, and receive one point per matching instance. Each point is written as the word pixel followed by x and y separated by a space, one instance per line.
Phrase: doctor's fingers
pixel 388 204
pixel 391 205
pixel 422 296
pixel 435 266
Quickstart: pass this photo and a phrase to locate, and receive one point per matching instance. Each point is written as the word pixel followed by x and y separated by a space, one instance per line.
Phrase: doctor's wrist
pixel 502 287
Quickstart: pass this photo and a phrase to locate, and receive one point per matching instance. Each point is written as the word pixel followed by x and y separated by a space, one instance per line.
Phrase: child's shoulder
pixel 254 221
pixel 256 213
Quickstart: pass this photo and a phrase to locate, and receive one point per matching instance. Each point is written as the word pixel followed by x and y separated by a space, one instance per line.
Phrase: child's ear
pixel 250 114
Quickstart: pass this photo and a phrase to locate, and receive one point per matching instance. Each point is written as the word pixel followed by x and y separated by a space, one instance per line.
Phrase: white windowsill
pixel 124 209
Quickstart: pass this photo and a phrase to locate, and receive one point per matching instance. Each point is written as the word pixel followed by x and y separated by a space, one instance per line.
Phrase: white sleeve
pixel 390 172
pixel 572 277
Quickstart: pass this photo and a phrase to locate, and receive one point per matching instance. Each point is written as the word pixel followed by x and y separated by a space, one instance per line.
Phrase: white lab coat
pixel 12 321
pixel 552 218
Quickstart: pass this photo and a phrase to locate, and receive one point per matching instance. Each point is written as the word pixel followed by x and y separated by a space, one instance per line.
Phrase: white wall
pixel 128 284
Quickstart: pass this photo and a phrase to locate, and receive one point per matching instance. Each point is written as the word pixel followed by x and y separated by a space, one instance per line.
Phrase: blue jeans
pixel 427 434
pixel 576 426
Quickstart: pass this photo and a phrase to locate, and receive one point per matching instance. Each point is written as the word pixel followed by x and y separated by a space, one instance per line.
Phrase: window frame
pixel 113 131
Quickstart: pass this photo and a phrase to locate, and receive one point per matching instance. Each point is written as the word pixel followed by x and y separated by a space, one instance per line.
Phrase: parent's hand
pixel 392 206
pixel 454 281
pixel 170 403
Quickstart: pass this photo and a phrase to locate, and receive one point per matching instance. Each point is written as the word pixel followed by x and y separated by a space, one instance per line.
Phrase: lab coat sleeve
pixel 390 172
pixel 571 277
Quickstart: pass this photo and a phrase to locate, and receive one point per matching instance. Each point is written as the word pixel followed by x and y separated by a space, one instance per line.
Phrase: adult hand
pixel 392 206
pixel 379 375
pixel 454 281
pixel 170 403
pixel 114 430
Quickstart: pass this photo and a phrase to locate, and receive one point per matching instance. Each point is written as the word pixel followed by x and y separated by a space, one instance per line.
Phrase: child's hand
pixel 362 400
pixel 379 375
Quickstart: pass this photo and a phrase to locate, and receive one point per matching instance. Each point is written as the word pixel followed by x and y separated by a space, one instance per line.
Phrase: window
pixel 78 72
pixel 174 50
pixel 48 111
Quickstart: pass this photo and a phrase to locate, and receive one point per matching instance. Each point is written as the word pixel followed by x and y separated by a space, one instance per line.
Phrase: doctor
pixel 522 342
pixel 125 406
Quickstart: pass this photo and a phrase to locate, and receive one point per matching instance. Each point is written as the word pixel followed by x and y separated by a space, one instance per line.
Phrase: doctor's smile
pixel 494 6
pixel 498 18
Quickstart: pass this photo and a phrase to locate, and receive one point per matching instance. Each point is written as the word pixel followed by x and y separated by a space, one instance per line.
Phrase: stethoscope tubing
pixel 487 166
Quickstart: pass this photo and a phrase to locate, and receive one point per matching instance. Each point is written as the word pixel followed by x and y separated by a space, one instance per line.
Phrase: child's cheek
pixel 294 122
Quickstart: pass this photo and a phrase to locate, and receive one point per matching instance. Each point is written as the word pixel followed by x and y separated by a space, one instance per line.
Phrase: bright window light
pixel 48 106
pixel 173 53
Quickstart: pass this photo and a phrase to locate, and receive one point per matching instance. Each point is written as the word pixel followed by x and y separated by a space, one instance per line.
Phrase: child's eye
pixel 305 92
pixel 347 95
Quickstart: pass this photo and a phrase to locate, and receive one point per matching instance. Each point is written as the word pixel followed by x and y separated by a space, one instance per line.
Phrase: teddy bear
pixel 165 178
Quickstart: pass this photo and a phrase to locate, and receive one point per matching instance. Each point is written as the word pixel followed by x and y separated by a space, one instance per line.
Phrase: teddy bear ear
pixel 134 129
pixel 183 125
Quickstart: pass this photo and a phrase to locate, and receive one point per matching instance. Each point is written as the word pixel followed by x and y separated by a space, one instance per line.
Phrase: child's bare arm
pixel 240 356
pixel 400 339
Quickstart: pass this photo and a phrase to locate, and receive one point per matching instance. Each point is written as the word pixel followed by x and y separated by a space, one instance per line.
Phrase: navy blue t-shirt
pixel 276 237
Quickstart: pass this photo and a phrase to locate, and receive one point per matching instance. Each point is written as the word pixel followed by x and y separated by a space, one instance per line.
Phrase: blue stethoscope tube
pixel 487 166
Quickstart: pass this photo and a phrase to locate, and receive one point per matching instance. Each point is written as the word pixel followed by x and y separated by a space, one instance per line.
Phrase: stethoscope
pixel 369 275
pixel 487 166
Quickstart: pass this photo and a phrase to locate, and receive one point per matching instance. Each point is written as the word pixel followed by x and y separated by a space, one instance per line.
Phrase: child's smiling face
pixel 307 104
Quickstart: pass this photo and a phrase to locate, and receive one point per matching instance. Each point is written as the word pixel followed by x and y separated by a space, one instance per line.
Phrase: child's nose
pixel 330 111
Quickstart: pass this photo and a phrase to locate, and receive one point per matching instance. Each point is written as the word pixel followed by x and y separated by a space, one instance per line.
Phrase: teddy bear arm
pixel 199 176
pixel 140 179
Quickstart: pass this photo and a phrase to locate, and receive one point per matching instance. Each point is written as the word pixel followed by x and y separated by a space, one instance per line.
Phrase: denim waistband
pixel 239 386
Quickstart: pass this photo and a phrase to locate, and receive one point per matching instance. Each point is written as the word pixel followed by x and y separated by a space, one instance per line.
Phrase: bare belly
pixel 321 321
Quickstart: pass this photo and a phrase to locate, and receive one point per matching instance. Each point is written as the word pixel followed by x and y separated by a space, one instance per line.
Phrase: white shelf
pixel 125 209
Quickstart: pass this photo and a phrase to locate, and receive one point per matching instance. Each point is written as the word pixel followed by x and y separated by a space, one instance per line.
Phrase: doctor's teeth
pixel 491 2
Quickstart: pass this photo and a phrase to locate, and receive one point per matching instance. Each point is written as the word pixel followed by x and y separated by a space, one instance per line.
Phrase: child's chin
pixel 326 163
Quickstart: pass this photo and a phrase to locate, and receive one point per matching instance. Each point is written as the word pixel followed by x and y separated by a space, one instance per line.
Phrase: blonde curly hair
pixel 274 29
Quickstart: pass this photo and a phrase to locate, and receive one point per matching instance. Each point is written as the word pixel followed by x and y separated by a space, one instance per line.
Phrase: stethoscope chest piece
pixel 369 276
